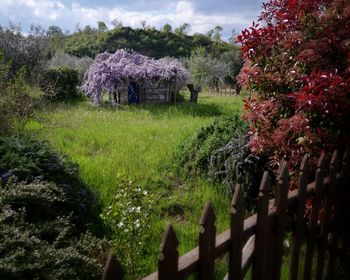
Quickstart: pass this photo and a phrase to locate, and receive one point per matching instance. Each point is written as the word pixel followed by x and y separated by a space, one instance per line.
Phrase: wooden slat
pixel 345 179
pixel 247 256
pixel 259 261
pixel 299 217
pixel 207 236
pixel 327 215
pixel 281 208
pixel 169 256
pixel 312 227
pixel 339 196
pixel 113 269
pixel 237 222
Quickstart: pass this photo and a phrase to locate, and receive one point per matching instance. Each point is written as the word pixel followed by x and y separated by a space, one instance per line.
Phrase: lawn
pixel 138 143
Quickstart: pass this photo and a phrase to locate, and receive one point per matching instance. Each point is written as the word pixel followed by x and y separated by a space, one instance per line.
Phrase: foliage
pixel 63 59
pixel 196 152
pixel 147 41
pixel 129 218
pixel 112 72
pixel 26 52
pixel 17 100
pixel 298 61
pixel 60 83
pixel 30 160
pixel 39 239
pixel 211 71
pixel 234 163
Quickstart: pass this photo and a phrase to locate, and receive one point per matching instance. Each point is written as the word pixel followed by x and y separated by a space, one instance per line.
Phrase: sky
pixel 202 15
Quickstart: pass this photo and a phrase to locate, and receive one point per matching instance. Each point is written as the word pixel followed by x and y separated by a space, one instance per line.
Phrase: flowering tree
pixel 114 72
pixel 298 61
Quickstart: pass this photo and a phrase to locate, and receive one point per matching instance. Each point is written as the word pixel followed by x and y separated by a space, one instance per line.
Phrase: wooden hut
pixel 132 78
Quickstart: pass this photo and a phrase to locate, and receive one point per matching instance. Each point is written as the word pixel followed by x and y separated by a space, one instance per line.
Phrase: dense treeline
pixel 150 42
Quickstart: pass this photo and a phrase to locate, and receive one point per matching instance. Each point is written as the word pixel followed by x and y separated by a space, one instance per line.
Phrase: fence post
pixel 281 208
pixel 345 180
pixel 259 259
pixel 339 211
pixel 169 256
pixel 299 217
pixel 236 228
pixel 327 214
pixel 207 236
pixel 312 228
pixel 113 269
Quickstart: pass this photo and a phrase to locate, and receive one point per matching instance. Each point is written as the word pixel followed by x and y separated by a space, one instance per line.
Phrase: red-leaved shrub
pixel 298 62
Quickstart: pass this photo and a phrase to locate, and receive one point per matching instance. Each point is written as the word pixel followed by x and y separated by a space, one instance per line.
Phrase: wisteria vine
pixel 114 72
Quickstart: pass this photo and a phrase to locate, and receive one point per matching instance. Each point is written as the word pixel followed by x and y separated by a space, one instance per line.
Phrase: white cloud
pixel 50 12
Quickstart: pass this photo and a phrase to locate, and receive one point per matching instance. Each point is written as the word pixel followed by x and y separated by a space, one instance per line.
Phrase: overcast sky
pixel 202 15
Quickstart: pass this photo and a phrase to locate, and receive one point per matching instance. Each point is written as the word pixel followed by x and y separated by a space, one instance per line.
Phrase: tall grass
pixel 138 143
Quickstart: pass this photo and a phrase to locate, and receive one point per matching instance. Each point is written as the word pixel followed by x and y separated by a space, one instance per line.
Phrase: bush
pixel 38 239
pixel 129 217
pixel 30 160
pixel 61 83
pixel 63 59
pixel 235 163
pixel 220 152
pixel 298 61
pixel 17 101
pixel 195 153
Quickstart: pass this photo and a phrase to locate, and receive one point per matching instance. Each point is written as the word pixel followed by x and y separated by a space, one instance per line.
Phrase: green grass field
pixel 138 143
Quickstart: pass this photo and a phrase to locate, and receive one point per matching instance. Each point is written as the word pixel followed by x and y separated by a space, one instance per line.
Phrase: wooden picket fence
pixel 257 241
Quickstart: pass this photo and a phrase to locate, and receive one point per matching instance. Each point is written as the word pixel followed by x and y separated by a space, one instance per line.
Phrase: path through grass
pixel 138 143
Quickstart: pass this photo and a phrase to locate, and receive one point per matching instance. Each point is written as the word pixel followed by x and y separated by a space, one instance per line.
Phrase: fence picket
pixel 169 256
pixel 339 196
pixel 113 269
pixel 281 208
pixel 207 236
pixel 259 260
pixel 327 215
pixel 345 180
pixel 300 211
pixel 236 228
pixel 312 227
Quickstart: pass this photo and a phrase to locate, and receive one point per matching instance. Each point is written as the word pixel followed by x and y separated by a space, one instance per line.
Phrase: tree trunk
pixel 194 90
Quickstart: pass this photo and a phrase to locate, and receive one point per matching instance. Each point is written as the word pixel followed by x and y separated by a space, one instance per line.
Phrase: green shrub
pixel 17 102
pixel 61 83
pixel 129 217
pixel 38 241
pixel 235 163
pixel 195 153
pixel 30 160
pixel 220 152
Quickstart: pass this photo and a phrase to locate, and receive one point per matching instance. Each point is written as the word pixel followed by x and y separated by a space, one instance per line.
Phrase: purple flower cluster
pixel 113 72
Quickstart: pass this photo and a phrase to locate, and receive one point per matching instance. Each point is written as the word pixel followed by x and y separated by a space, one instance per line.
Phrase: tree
pixel 54 31
pixel 182 29
pixel 298 60
pixel 217 33
pixel 233 37
pixel 167 28
pixel 117 23
pixel 23 51
pixel 102 27
pixel 143 24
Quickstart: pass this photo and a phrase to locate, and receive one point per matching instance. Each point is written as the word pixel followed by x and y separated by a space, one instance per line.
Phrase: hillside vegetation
pixel 150 42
